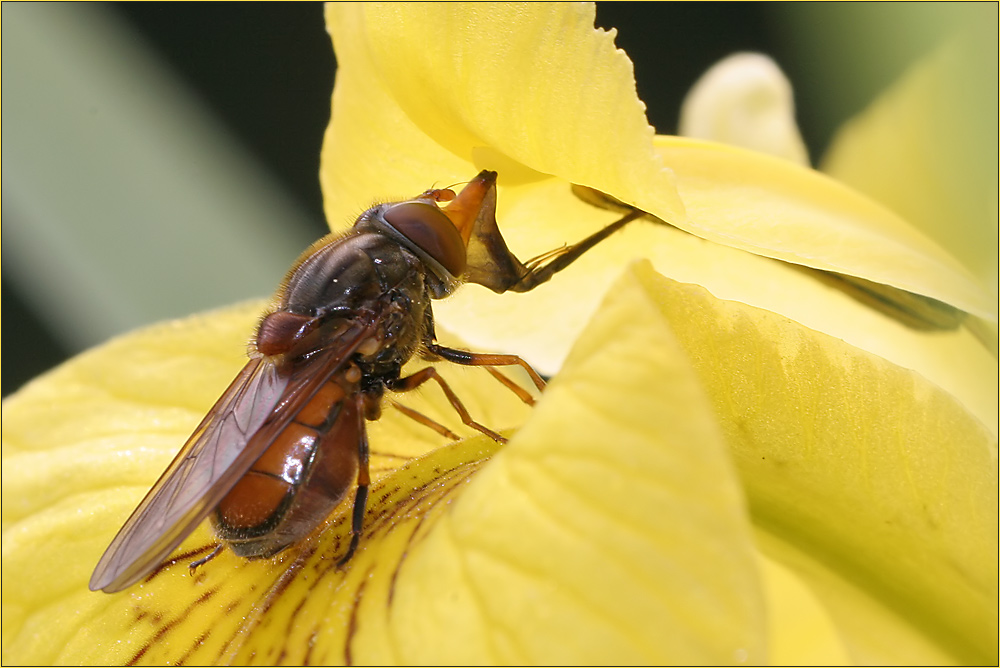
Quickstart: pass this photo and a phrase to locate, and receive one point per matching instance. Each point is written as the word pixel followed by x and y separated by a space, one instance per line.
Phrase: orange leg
pixel 424 420
pixel 466 358
pixel 430 373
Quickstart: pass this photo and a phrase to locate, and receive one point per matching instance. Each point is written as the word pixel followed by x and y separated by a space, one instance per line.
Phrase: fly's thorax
pixel 347 273
pixel 338 279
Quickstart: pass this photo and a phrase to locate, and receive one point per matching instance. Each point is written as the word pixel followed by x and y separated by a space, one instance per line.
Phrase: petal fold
pixel 432 93
pixel 610 528
pixel 542 324
pixel 774 208
pixel 876 487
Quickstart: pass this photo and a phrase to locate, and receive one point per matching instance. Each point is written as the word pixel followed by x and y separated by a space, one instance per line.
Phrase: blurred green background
pixel 161 159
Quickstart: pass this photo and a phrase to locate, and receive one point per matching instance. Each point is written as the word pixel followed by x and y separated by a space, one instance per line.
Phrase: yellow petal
pixel 775 209
pixel 745 100
pixel 609 530
pixel 743 208
pixel 82 444
pixel 542 324
pixel 780 210
pixel 925 148
pixel 875 486
pixel 436 87
pixel 800 631
pixel 430 93
pixel 80 447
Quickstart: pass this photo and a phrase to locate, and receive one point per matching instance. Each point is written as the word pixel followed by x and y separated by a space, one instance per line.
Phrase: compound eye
pixel 431 231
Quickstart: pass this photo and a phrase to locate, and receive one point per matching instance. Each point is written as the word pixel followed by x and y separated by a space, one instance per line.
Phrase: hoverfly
pixel 286 441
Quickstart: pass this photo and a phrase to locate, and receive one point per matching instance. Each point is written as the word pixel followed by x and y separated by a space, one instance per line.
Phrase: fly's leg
pixel 521 393
pixel 197 563
pixel 424 420
pixel 364 480
pixel 466 358
pixel 430 373
pixel 435 351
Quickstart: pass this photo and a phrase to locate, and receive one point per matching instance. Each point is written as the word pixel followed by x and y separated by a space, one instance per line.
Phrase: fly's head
pixel 438 234
pixel 456 235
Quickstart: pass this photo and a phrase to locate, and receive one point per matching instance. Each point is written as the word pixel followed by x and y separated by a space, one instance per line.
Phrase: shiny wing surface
pixel 242 424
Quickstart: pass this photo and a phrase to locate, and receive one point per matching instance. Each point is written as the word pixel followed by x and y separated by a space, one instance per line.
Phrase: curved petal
pixel 541 325
pixel 876 487
pixel 431 92
pixel 745 100
pixel 457 84
pixel 71 475
pixel 608 530
pixel 924 148
pixel 780 210
pixel 741 199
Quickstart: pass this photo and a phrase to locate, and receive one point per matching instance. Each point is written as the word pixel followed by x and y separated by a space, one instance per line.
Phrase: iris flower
pixel 770 435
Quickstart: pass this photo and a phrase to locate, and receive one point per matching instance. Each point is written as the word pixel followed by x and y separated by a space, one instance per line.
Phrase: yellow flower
pixel 738 461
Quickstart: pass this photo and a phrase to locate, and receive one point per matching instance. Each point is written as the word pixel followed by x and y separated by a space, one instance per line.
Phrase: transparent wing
pixel 242 424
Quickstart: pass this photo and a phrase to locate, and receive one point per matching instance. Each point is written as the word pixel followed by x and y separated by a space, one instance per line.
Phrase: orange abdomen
pixel 299 479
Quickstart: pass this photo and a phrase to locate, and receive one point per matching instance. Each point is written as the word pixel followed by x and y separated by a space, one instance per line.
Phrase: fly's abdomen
pixel 299 479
